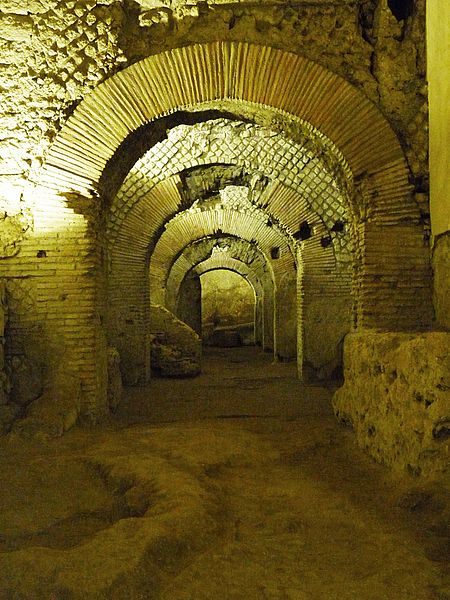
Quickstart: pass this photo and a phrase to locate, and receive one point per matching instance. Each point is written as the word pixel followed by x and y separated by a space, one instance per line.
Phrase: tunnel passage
pixel 310 155
pixel 135 163
pixel 228 308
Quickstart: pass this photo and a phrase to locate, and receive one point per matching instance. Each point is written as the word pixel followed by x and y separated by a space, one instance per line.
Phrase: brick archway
pixel 391 260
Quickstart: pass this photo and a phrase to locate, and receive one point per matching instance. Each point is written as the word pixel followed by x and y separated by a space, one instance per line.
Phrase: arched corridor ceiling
pixel 263 156
pixel 359 146
pixel 228 248
pixel 231 213
pixel 218 262
pixel 202 73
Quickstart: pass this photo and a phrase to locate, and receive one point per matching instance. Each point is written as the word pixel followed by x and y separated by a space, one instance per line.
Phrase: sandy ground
pixel 238 484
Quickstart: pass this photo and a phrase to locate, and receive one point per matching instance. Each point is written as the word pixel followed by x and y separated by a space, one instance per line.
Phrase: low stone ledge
pixel 396 396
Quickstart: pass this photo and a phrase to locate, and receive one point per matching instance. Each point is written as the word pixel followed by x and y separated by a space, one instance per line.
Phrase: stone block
pixel 55 411
pixel 175 348
pixel 396 395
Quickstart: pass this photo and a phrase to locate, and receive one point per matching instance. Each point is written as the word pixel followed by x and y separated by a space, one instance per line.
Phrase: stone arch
pixel 246 222
pixel 392 262
pixel 323 286
pixel 195 253
pixel 249 224
pixel 221 262
pixel 238 250
pixel 202 73
pixel 267 154
pixel 215 263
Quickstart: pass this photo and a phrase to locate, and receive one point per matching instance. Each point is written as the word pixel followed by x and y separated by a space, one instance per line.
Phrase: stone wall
pixel 396 396
pixel 326 322
pixel 56 53
pixel 286 317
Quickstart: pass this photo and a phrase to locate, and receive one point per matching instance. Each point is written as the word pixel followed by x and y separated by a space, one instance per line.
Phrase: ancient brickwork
pixel 53 53
pixel 258 150
pixel 401 298
pixel 228 248
pixel 54 304
pixel 237 254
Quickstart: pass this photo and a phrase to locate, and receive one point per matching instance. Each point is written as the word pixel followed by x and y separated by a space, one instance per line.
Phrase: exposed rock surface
pixel 55 411
pixel 176 348
pixel 441 268
pixel 396 395
pixel 189 303
pixel 325 320
pixel 227 301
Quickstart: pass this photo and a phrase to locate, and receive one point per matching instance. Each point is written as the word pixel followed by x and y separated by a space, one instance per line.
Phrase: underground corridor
pixel 224 300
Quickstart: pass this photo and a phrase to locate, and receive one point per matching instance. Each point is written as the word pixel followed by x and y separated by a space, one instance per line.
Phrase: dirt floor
pixel 236 485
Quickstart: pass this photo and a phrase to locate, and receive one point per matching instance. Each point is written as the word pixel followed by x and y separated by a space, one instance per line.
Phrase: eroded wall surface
pixel 396 396
pixel 189 303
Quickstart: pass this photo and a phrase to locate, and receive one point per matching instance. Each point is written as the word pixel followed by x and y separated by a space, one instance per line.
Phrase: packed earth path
pixel 238 484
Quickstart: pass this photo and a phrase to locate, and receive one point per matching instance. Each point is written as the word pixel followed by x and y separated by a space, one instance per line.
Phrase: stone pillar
pixel 189 303
pixel 259 316
pixel 286 317
pixel 393 278
pixel 268 317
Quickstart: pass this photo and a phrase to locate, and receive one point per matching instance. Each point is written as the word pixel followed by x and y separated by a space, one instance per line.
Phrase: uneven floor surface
pixel 238 484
